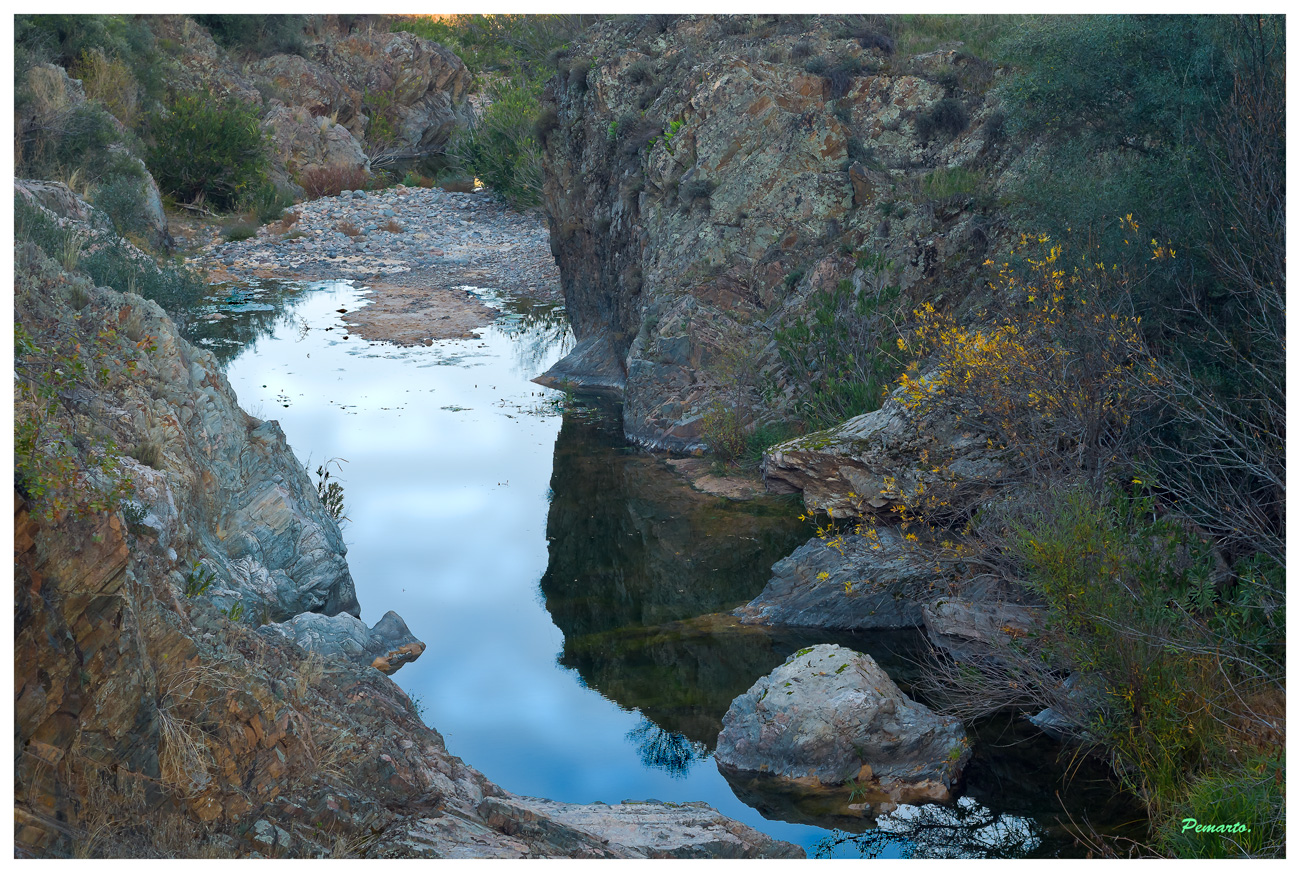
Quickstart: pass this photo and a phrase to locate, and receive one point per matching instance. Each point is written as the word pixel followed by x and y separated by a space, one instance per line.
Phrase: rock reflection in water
pixel 643 571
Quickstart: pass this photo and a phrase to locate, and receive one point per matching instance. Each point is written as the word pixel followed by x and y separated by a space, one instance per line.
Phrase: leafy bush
pixel 208 150
pixel 501 147
pixel 948 116
pixel 724 432
pixel 838 356
pixel 240 231
pixel 113 263
pixel 952 182
pixel 257 34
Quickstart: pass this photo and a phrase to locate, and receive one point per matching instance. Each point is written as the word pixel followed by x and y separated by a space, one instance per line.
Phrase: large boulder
pixel 968 627
pixel 387 646
pixel 830 717
pixel 421 84
pixel 304 144
pixel 857 583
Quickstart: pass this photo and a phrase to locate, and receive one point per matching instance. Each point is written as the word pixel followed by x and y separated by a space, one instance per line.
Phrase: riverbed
pixel 572 590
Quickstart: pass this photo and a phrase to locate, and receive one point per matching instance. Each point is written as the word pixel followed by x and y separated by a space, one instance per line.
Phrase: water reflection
pixel 663 750
pixel 968 829
pixel 234 315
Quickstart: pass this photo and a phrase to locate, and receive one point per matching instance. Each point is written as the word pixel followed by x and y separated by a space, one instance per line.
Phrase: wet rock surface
pixel 829 716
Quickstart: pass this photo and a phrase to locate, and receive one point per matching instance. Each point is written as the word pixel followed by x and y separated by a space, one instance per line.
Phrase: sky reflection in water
pixel 448 482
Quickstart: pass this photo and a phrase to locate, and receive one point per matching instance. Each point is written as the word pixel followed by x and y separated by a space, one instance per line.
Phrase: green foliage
pixel 331 492
pixel 198 580
pixel 1135 604
pixel 501 148
pixel 207 150
pixel 838 354
pixel 257 34
pixel 724 432
pixel 1250 792
pixel 234 612
pixel 240 231
pixel 947 116
pixel 954 182
pixel 113 263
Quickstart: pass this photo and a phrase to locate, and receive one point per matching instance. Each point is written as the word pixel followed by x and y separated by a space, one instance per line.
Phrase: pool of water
pixel 571 590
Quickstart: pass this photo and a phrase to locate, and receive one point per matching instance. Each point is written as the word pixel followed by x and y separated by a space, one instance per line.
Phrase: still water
pixel 570 588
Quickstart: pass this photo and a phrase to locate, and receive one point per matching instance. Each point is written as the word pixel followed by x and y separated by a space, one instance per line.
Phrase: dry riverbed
pixel 416 249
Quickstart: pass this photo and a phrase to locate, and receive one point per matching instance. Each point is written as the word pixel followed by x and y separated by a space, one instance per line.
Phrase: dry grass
pixel 330 181
pixel 110 81
pixel 392 226
pixel 348 228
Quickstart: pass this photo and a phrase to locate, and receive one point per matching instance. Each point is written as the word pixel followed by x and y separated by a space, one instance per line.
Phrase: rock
pixel 304 144
pixel 869 583
pixel 964 627
pixel 153 216
pixel 685 204
pixel 308 85
pixel 386 647
pixel 879 463
pixel 200 64
pixel 649 829
pixel 592 365
pixel 830 717
pixel 269 838
pixel 424 85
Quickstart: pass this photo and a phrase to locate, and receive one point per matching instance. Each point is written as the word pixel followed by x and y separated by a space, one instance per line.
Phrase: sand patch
pixel 409 316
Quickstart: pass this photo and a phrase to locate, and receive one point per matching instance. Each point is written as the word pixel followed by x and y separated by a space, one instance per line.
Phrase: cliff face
pixel 702 184
pixel 156 526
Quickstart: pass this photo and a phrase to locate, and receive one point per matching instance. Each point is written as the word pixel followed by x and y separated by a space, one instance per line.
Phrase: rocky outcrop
pixel 884 462
pixel 966 627
pixel 700 187
pixel 303 143
pixel 830 717
pixel 858 583
pixel 218 491
pixel 386 646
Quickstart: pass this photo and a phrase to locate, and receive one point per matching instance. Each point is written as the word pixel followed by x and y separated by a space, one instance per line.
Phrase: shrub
pixel 800 50
pixel 837 356
pixel 694 190
pixel 347 227
pixel 241 231
pixel 724 432
pixel 948 183
pixel 109 80
pixel 501 147
pixel 947 116
pixel 392 226
pixel 331 180
pixel 639 72
pixel 257 34
pixel 206 150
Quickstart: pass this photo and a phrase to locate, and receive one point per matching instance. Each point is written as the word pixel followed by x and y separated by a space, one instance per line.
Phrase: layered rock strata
pixel 702 185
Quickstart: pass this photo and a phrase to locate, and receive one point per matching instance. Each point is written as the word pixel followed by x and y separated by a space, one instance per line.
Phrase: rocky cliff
pixel 157 526
pixel 706 176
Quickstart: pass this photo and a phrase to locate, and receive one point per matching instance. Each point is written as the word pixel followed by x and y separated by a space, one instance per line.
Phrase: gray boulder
pixel 966 627
pixel 387 646
pixel 303 143
pixel 830 717
pixel 868 583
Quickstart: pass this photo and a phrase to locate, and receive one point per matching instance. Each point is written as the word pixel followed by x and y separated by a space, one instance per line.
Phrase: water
pixel 569 588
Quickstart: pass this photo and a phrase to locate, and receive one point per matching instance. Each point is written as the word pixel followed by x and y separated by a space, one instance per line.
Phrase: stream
pixel 573 590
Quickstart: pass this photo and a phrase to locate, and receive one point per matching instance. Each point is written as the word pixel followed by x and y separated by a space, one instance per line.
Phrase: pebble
pixel 445 239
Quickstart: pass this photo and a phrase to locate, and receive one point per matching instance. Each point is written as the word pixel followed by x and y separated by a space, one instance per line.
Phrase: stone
pixel 869 582
pixel 876 464
pixel 831 717
pixel 302 144
pixel 966 627
pixel 389 641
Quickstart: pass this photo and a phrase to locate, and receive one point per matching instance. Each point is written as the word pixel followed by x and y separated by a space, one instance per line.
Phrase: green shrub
pixel 501 148
pixel 951 182
pixel 257 34
pixel 114 264
pixel 1180 667
pixel 241 231
pixel 207 150
pixel 839 355
pixel 724 432
pixel 948 116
